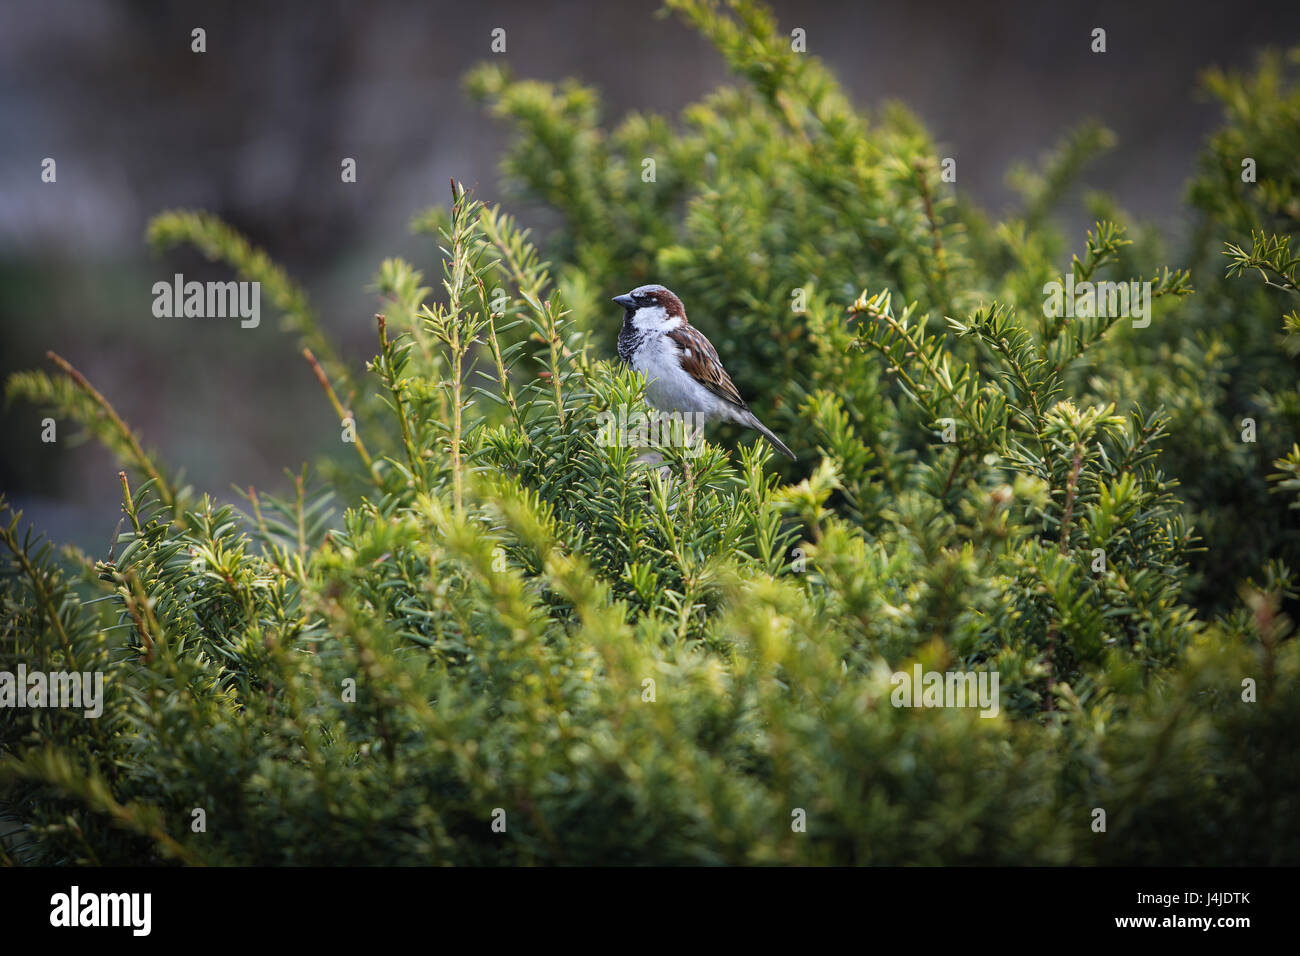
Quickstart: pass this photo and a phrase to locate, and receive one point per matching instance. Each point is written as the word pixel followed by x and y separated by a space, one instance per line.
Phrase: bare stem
pixel 343 413
pixel 138 456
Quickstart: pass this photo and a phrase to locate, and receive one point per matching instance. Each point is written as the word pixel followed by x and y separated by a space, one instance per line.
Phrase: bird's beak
pixel 626 301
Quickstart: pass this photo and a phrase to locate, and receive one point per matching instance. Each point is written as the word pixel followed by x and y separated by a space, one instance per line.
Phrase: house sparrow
pixel 682 367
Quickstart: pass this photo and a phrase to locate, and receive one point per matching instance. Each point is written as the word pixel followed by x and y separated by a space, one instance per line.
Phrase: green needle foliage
pixel 488 634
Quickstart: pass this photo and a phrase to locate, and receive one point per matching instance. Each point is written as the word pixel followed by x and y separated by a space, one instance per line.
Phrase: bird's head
pixel 652 307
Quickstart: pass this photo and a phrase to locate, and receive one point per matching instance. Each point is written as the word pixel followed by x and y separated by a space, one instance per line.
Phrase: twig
pixel 343 413
pixel 141 460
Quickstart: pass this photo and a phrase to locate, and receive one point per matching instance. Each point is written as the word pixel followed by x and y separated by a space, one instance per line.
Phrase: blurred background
pixel 255 129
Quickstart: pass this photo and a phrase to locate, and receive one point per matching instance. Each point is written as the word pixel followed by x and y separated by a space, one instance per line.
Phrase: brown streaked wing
pixel 703 363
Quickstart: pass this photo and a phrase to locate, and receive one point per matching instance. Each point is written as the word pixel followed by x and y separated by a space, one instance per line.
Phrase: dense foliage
pixel 495 637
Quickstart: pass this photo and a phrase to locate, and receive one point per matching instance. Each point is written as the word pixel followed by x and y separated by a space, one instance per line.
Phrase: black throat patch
pixel 629 339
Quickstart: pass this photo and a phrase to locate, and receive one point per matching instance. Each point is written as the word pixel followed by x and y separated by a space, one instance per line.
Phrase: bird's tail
pixel 766 432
